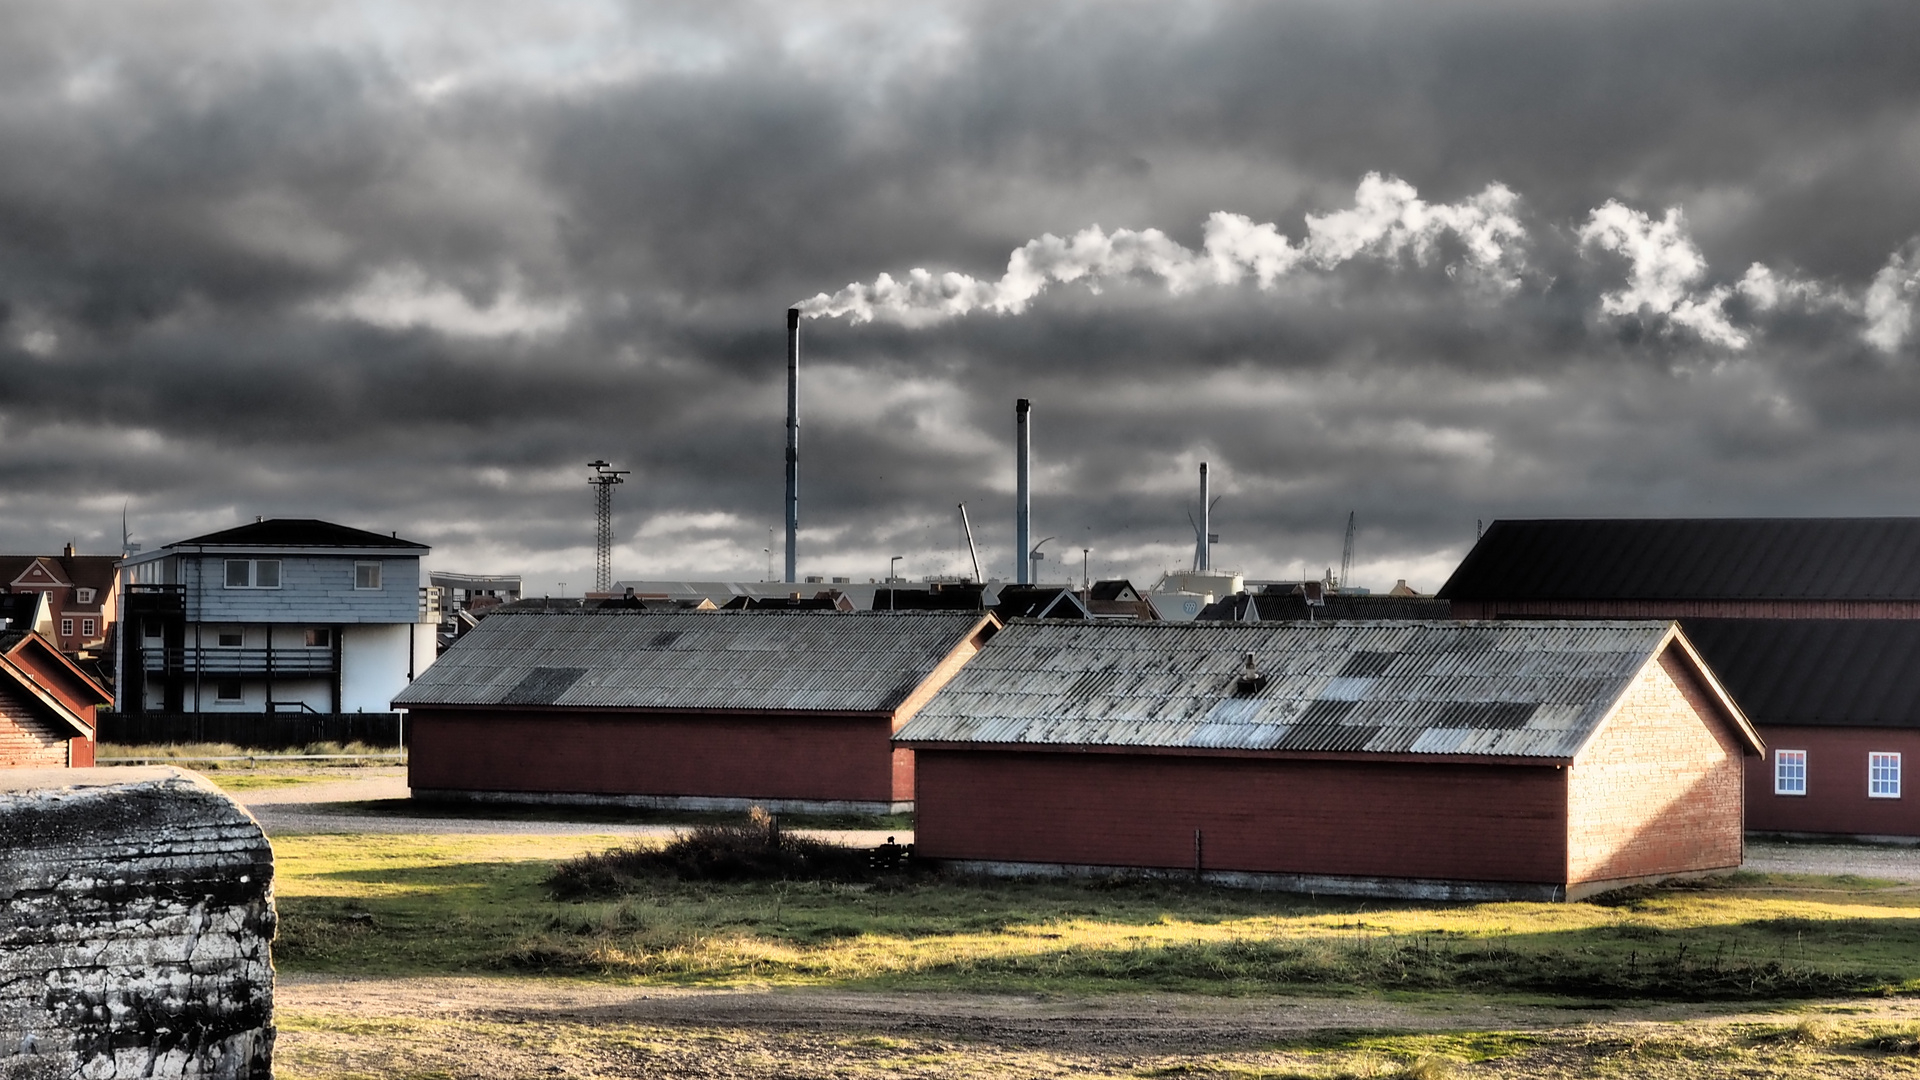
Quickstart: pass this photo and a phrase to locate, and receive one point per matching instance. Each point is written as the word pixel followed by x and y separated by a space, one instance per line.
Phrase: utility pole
pixel 603 479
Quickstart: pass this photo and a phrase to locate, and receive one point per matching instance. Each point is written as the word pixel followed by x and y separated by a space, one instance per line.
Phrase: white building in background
pixel 288 614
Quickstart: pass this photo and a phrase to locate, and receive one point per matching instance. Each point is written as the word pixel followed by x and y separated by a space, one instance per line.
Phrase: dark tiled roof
pixel 299 532
pixel 1693 559
pixel 1506 689
pixel 1113 590
pixel 778 661
pixel 1828 672
pixel 1038 601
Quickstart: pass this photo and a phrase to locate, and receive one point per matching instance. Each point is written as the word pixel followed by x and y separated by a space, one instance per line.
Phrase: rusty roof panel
pixel 1509 688
pixel 783 661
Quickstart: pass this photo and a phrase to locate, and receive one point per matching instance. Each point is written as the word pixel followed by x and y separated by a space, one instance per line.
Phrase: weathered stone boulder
pixel 136 917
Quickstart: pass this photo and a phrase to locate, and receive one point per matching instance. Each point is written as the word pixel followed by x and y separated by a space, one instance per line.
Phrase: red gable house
pixel 46 705
pixel 82 590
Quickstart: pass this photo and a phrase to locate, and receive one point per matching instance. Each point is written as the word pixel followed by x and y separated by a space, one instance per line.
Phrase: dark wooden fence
pixel 259 731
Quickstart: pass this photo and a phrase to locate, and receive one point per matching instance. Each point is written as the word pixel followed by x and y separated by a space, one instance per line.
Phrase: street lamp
pixel 893 579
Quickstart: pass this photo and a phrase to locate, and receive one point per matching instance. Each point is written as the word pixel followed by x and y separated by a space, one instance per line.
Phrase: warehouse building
pixel 790 710
pixel 1813 625
pixel 1427 759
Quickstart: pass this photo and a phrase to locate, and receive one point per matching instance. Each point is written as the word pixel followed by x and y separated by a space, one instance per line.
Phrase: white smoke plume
pixel 1664 265
pixel 1388 220
pixel 1888 306
pixel 1667 283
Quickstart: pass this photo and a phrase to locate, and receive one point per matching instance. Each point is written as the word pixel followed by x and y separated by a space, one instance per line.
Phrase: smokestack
pixel 793 443
pixel 1023 497
pixel 1206 524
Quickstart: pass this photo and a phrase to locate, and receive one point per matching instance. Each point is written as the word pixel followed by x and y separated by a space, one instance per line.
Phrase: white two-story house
pixel 281 615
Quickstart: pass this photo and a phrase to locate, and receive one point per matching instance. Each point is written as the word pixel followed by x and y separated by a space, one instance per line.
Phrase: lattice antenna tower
pixel 602 480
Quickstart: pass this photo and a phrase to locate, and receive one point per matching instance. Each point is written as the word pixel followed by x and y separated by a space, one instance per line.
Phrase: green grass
pixel 399 905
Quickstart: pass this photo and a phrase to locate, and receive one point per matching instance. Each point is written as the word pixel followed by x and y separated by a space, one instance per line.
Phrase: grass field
pixel 414 905
pixel 198 755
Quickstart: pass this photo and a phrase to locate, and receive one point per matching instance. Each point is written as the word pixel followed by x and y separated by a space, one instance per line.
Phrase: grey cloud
pixel 199 210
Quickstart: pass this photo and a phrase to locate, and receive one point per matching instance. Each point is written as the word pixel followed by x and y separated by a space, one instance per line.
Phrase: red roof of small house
pixel 64 691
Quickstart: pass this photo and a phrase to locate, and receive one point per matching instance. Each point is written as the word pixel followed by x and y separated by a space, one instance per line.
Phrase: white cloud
pixel 406 298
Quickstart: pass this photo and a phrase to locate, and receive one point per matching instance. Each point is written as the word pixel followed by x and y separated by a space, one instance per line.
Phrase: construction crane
pixel 1346 552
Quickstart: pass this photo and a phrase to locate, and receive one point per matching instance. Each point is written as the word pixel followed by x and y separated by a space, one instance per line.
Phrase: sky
pixel 410 267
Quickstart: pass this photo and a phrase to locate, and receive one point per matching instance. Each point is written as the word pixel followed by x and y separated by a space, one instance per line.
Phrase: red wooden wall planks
pixel 1463 822
pixel 606 751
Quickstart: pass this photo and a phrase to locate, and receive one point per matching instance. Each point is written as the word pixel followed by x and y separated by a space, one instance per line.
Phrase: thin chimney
pixel 793 443
pixel 1206 523
pixel 1023 497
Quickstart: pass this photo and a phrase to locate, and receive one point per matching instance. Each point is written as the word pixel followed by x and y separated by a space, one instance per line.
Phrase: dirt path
pixel 323 802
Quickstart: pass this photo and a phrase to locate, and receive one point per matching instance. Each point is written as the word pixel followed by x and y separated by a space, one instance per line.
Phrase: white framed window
pixel 66 627
pixel 226 689
pixel 253 573
pixel 1883 775
pixel 83 596
pixel 86 627
pixel 231 639
pixel 319 637
pixel 1789 772
pixel 366 575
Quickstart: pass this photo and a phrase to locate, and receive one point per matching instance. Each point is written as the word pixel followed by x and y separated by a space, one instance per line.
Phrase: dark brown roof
pixel 1038 602
pixel 1693 559
pixel 298 532
pixel 1824 672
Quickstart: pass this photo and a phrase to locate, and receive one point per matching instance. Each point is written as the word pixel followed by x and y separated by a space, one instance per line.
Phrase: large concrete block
pixel 136 919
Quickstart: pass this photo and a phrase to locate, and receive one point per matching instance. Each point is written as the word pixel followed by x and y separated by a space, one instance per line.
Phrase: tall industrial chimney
pixel 1206 524
pixel 793 443
pixel 1023 497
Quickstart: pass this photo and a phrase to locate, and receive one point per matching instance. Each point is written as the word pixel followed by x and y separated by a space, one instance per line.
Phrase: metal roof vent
pixel 1251 681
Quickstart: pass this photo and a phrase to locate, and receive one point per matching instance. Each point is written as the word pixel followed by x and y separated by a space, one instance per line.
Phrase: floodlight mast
pixel 603 478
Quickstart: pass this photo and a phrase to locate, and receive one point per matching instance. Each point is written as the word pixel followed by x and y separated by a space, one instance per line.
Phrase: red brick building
pixel 47 705
pixel 83 593
pixel 1813 625
pixel 1433 759
pixel 724 709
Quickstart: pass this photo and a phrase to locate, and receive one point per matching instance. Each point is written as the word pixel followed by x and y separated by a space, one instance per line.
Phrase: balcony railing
pixel 231 661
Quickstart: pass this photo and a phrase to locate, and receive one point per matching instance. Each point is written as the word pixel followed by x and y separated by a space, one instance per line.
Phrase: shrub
pixel 756 849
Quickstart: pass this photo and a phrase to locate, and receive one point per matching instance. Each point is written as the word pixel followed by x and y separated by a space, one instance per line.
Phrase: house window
pixel 1883 775
pixel 319 638
pixel 84 596
pixel 253 573
pixel 231 639
pixel 226 689
pixel 86 627
pixel 366 575
pixel 1789 772
pixel 66 627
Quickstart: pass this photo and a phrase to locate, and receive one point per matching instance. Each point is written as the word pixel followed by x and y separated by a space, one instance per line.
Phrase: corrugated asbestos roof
pixel 1510 688
pixel 1825 672
pixel 1693 559
pixel 801 661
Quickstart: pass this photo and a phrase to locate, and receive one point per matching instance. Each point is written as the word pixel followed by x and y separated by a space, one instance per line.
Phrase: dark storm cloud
pixel 410 270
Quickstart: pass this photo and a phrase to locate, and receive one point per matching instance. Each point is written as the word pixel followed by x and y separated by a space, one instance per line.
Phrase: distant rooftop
pixel 298 533
pixel 1693 559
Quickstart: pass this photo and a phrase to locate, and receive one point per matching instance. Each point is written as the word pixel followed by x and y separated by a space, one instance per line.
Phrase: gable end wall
pixel 28 740
pixel 1659 788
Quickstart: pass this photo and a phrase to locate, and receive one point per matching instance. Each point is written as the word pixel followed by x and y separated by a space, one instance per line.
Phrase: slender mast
pixel 793 443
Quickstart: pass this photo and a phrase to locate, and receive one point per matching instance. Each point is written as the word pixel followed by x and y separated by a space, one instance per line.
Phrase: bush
pixel 753 850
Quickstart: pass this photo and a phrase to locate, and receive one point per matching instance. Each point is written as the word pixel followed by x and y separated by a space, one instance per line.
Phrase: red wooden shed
pixel 791 710
pixel 47 705
pixel 1430 759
